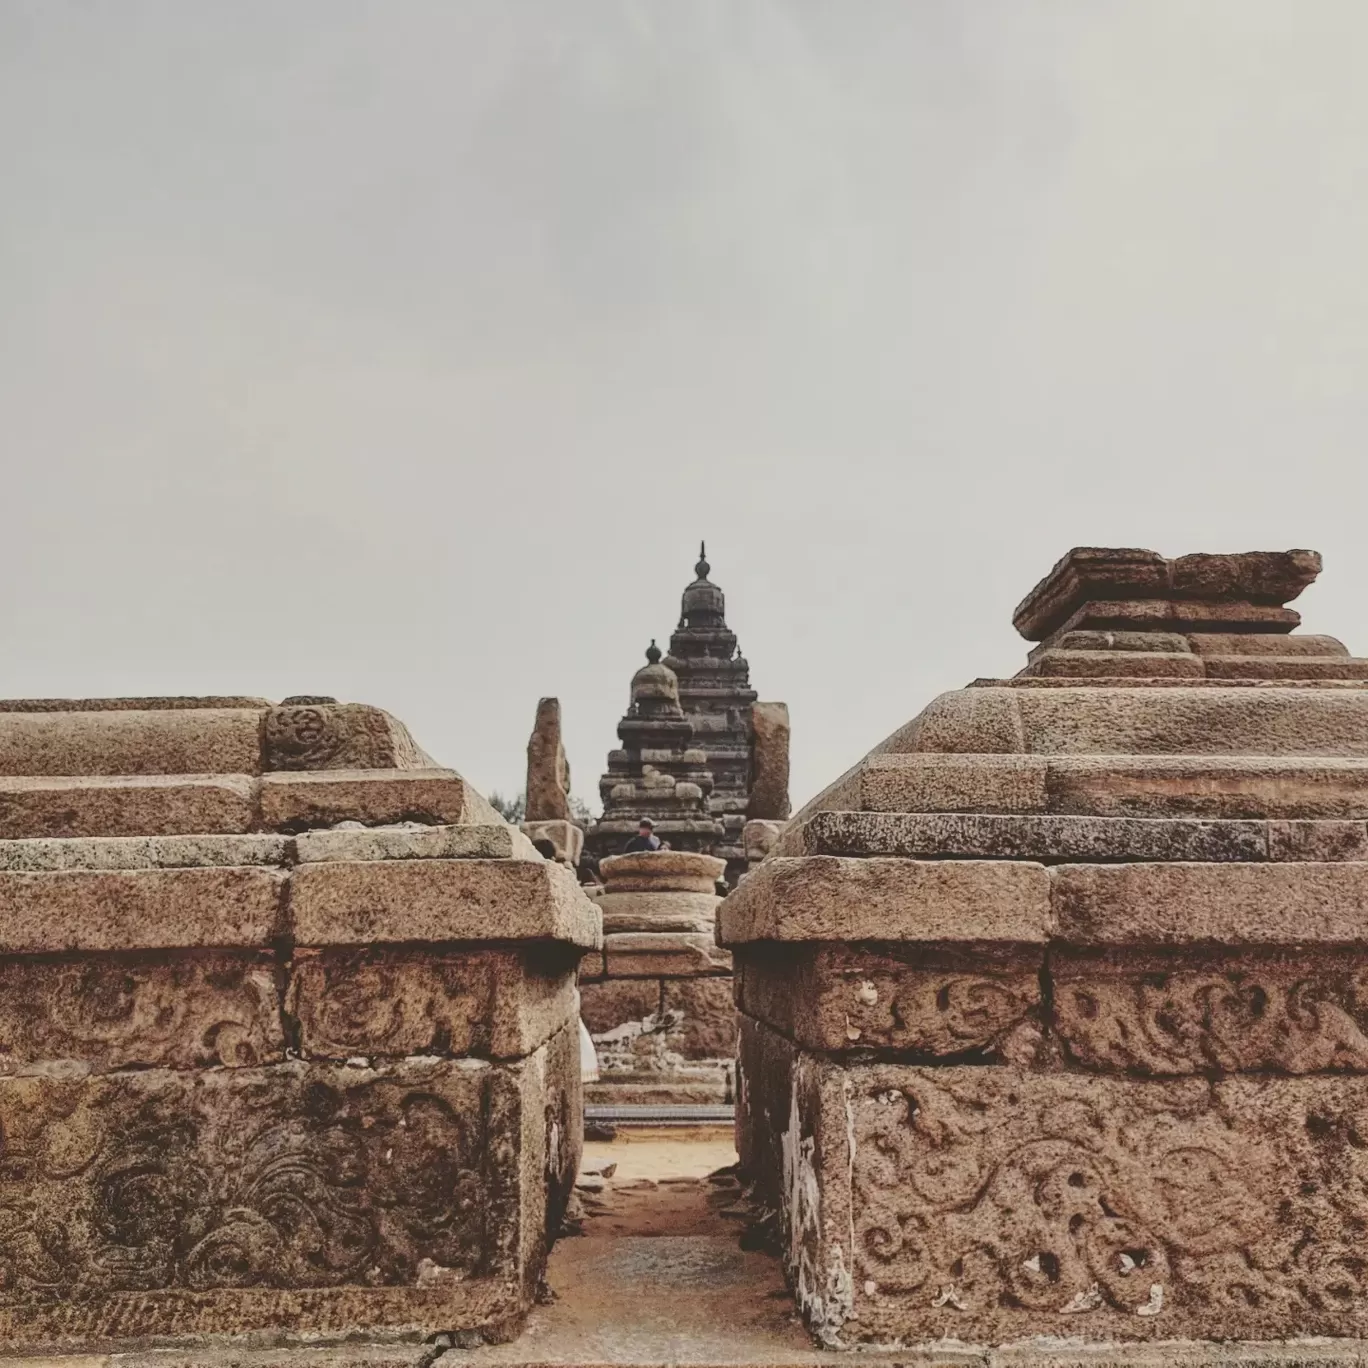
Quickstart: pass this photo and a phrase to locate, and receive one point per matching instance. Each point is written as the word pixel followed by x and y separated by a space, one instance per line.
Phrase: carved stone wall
pixel 290 1055
pixel 1054 1009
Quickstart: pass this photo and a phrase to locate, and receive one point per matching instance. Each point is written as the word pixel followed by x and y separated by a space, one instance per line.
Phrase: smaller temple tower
pixel 657 773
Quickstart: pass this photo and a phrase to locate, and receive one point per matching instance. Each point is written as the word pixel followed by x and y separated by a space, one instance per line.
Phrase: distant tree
pixel 510 809
pixel 580 810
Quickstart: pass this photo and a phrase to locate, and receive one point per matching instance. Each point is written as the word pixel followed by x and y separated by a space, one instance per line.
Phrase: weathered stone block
pixel 707 1029
pixel 1032 837
pixel 1116 665
pixel 769 779
pixel 1227 904
pixel 333 736
pixel 153 741
pixel 663 954
pixel 1198 1010
pixel 391 1002
pixel 357 902
pixel 566 839
pixel 607 1005
pixel 171 1010
pixel 943 1001
pixel 658 911
pixel 142 852
pixel 1318 841
pixel 989 1204
pixel 826 898
pixel 299 801
pixel 124 805
pixel 296 1200
pixel 139 909
pixel 466 842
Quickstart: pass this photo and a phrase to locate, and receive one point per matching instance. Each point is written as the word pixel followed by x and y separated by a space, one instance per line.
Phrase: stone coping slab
pixel 168 703
pixel 204 740
pixel 1182 720
pixel 388 901
pixel 834 898
pixel 202 851
pixel 140 909
pixel 1088 573
pixel 828 898
pixel 70 806
pixel 458 842
pixel 1147 786
pixel 187 894
pixel 1072 839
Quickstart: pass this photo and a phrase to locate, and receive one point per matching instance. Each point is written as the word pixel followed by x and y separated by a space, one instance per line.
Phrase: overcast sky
pixel 404 350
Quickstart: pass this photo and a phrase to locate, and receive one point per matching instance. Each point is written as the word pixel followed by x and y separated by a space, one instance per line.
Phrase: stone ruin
pixel 738 747
pixel 288 1035
pixel 658 999
pixel 1054 1019
pixel 658 773
pixel 547 819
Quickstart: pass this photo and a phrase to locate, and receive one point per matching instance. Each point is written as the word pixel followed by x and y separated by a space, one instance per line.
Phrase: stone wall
pixel 282 1054
pixel 1052 1012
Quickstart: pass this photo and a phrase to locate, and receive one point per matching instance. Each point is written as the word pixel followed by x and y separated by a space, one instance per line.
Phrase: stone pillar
pixel 659 1001
pixel 288 1035
pixel 769 789
pixel 1052 1010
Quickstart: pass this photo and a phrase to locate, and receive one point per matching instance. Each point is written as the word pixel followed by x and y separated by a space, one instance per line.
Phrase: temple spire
pixel 702 568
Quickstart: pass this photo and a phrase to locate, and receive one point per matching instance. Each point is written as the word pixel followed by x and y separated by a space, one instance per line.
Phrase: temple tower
pixel 715 693
pixel 658 773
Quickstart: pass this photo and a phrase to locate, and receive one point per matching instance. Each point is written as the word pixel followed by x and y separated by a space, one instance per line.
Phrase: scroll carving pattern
pixel 173 1011
pixel 271 1178
pixel 338 736
pixel 1007 1198
pixel 364 1002
pixel 1301 1015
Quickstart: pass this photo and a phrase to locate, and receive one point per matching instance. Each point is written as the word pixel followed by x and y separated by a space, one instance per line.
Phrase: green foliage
pixel 510 809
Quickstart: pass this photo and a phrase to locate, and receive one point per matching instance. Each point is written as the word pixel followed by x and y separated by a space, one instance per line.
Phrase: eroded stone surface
pixel 1279 1010
pixel 304 800
pixel 296 1198
pixel 987 1204
pixel 663 954
pixel 332 736
pixel 828 898
pixel 139 909
pixel 548 769
pixel 177 1011
pixel 933 1000
pixel 395 1002
pixel 355 902
pixel 125 805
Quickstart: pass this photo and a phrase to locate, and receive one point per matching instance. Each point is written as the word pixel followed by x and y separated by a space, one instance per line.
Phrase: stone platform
pixel 658 1000
pixel 1052 1008
pixel 285 1053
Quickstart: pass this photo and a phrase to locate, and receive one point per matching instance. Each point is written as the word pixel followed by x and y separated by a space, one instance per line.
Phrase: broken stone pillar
pixel 1053 1017
pixel 288 1031
pixel 658 1002
pixel 759 839
pixel 548 769
pixel 769 785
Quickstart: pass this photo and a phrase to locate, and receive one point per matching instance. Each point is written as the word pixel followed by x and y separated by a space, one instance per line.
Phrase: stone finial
pixel 548 769
pixel 702 567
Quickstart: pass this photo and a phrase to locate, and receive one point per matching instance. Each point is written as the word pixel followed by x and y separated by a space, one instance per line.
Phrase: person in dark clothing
pixel 645 839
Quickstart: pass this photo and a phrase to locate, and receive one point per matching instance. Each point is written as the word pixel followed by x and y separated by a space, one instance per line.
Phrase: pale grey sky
pixel 404 350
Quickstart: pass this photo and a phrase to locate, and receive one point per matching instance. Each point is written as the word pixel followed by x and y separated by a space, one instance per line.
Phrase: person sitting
pixel 645 839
